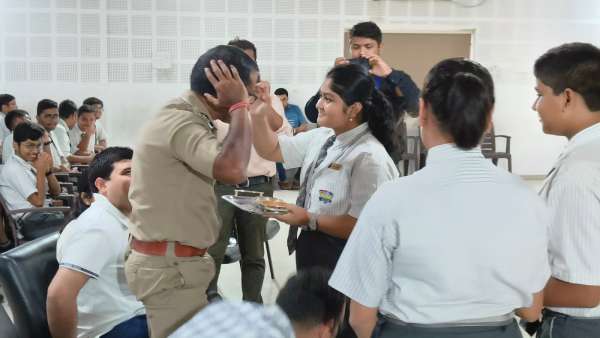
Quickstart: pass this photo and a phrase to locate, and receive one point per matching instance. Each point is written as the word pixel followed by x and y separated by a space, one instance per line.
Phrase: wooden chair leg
pixel 270 260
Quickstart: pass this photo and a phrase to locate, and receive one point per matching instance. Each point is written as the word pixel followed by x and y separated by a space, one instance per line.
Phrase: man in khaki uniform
pixel 175 164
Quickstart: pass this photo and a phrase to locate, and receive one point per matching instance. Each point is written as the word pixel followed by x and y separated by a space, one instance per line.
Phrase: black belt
pixel 254 180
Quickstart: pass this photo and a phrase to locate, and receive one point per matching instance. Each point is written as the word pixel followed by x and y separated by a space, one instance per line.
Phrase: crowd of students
pixel 458 249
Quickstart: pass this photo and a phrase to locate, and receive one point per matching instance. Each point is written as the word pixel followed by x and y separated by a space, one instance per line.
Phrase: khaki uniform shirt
pixel 172 176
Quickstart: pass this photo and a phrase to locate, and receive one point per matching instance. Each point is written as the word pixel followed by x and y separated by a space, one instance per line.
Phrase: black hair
pixel 460 93
pixel 353 84
pixel 66 108
pixel 102 164
pixel 308 300
pixel 11 116
pixel 281 91
pixel 92 101
pixel 243 45
pixel 5 99
pixel 232 56
pixel 28 131
pixel 575 66
pixel 86 109
pixel 367 29
pixel 45 104
pixel 83 187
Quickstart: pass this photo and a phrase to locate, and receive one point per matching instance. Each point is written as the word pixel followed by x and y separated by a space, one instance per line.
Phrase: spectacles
pixel 32 146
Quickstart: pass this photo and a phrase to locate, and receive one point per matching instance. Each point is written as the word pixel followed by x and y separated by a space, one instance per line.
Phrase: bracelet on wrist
pixel 239 105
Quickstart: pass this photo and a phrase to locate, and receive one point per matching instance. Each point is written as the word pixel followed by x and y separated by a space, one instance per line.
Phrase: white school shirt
pixel 61 138
pixel 458 240
pixel 17 183
pixel 355 165
pixel 75 138
pixel 572 191
pixel 7 147
pixel 4 131
pixel 95 244
pixel 57 155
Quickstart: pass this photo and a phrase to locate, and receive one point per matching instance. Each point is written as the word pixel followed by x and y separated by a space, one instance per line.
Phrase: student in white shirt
pixel 568 104
pixel 7 104
pixel 67 111
pixel 84 136
pixel 99 107
pixel 456 248
pixel 47 117
pixel 89 296
pixel 343 162
pixel 27 177
pixel 11 120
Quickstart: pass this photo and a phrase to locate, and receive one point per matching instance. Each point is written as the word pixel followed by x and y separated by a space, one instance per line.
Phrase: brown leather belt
pixel 160 248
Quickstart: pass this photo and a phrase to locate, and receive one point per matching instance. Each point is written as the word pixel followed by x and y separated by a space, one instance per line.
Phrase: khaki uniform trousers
pixel 173 289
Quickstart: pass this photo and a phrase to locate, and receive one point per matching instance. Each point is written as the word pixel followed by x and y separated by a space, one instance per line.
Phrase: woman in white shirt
pixel 343 162
pixel 457 248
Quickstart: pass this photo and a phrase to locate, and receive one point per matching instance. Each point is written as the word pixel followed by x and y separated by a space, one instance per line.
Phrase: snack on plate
pixel 269 204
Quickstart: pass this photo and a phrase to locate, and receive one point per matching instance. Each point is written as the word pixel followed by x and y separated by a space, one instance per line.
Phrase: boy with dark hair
pixel 306 307
pixel 84 137
pixel 67 110
pixel 27 177
pixel 245 45
pixel 88 296
pixel 47 117
pixel 12 119
pixel 397 86
pixel 99 107
pixel 568 104
pixel 7 104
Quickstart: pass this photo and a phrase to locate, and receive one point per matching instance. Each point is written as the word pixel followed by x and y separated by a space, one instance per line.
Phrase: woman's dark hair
pixel 28 131
pixel 353 84
pixel 308 300
pixel 232 56
pixel 460 93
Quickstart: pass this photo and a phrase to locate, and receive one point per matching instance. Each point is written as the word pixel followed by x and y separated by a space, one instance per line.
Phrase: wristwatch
pixel 313 223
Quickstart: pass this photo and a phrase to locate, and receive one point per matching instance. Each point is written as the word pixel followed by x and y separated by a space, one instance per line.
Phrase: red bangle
pixel 241 104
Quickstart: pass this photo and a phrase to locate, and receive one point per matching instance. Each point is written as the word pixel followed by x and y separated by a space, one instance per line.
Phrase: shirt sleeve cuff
pixel 78 268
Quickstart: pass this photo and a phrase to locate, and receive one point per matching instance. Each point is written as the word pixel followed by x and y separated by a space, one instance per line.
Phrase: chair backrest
pixel 25 273
pixel 8 220
pixel 488 143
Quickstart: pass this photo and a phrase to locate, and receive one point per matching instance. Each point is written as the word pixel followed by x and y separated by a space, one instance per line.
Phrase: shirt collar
pixel 198 107
pixel 450 152
pixel 589 134
pixel 22 162
pixel 63 123
pixel 103 203
pixel 349 136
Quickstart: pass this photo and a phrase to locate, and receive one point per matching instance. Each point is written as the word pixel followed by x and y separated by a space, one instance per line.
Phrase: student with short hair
pixel 568 104
pixel 89 296
pixel 12 119
pixel 67 110
pixel 84 136
pixel 99 108
pixel 431 255
pixel 26 179
pixel 7 104
pixel 47 117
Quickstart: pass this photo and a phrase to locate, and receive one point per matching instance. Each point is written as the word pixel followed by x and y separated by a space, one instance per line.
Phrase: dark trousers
pixel 388 329
pixel 251 237
pixel 136 327
pixel 558 325
pixel 281 174
pixel 39 224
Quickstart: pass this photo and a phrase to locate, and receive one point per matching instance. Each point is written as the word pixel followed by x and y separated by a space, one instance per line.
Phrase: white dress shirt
pixel 95 244
pixel 7 147
pixel 75 138
pixel 355 166
pixel 58 158
pixel 458 240
pixel 18 182
pixel 572 190
pixel 61 138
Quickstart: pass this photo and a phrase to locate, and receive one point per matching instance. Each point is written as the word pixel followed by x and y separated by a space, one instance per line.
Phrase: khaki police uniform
pixel 173 200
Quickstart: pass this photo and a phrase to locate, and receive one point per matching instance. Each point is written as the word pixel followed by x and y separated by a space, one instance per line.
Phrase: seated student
pixel 431 254
pixel 11 120
pixel 84 136
pixel 7 104
pixel 568 104
pixel 47 117
pixel 306 307
pixel 89 296
pixel 26 178
pixel 99 107
pixel 67 111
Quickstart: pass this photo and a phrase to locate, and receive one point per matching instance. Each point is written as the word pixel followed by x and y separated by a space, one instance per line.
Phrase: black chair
pixel 488 148
pixel 25 273
pixel 7 328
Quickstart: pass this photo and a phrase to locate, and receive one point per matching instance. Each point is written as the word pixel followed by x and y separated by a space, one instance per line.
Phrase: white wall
pixel 77 48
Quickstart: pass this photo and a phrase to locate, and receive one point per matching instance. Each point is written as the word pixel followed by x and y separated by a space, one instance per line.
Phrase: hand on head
pixel 227 83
